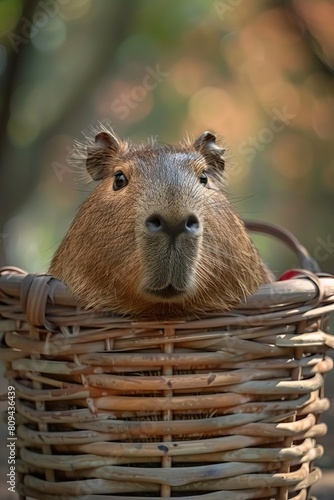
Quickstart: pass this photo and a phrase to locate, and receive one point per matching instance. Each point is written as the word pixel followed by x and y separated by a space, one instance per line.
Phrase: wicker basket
pixel 218 408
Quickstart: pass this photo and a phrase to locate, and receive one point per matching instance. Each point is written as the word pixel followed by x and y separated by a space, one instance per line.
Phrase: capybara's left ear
pixel 206 145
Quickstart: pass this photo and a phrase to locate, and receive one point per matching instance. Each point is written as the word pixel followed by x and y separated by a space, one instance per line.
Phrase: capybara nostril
pixel 154 224
pixel 192 225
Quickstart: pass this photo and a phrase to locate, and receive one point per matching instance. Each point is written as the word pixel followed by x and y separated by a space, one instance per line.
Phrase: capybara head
pixel 157 237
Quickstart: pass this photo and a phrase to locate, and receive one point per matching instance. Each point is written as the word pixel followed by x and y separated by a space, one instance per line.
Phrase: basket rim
pixel 43 301
pixel 304 287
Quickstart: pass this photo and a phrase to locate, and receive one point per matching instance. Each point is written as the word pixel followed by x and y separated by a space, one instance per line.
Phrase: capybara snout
pixel 188 225
pixel 170 245
pixel 173 246
pixel 158 237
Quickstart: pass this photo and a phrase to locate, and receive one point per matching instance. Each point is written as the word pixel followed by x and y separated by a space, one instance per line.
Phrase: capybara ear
pixel 206 145
pixel 98 156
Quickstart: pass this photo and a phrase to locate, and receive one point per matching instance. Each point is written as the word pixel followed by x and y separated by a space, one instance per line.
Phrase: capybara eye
pixel 203 179
pixel 120 181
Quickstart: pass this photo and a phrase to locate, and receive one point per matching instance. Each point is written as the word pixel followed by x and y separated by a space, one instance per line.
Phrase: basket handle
pixel 305 259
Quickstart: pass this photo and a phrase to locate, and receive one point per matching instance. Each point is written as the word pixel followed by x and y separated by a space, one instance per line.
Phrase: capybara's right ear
pixel 98 155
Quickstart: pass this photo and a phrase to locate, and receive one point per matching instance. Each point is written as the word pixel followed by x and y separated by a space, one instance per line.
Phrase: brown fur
pixel 108 259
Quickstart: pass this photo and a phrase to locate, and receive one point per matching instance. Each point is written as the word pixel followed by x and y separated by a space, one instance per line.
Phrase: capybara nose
pixel 157 224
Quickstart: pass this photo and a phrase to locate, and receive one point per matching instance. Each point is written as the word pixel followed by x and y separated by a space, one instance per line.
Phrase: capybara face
pixel 157 237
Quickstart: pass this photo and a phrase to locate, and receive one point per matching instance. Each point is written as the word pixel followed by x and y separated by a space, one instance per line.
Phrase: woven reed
pixel 221 407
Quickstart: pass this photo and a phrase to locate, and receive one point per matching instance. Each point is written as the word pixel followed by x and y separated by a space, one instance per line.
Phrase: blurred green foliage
pixel 258 72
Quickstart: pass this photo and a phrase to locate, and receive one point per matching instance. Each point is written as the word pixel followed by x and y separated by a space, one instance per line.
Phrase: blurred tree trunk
pixel 14 63
pixel 18 179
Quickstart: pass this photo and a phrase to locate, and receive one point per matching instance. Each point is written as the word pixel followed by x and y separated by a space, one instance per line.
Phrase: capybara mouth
pixel 168 292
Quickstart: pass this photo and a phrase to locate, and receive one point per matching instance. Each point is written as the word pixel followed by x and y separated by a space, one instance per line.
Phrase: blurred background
pixel 259 72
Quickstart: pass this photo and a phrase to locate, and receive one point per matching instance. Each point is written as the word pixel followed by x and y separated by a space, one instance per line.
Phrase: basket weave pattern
pixel 222 407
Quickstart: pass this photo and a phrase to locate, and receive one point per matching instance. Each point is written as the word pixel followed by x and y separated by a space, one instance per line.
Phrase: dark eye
pixel 120 181
pixel 203 179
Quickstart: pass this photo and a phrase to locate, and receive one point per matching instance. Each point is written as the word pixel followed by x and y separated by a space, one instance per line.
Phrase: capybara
pixel 158 237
